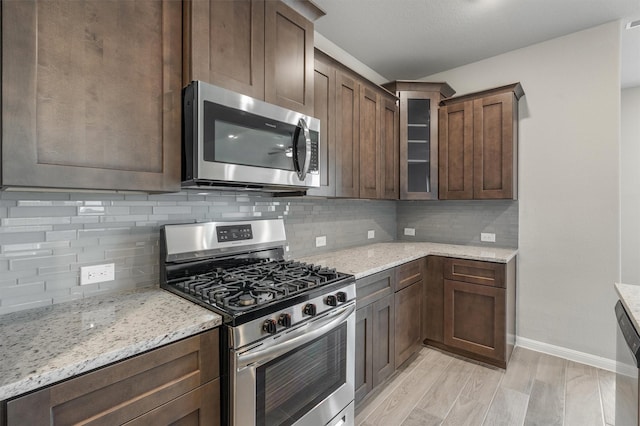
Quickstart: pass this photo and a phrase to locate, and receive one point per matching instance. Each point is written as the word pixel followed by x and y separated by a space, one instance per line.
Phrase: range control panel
pixel 234 233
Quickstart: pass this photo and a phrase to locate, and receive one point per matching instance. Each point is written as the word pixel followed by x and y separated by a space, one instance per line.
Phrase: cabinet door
pixel 408 322
pixel 224 44
pixel 383 339
pixel 125 390
pixel 364 352
pixel 324 101
pixel 198 407
pixel 494 119
pixel 347 136
pixel 288 39
pixel 369 143
pixel 389 149
pixel 419 145
pixel 475 318
pixel 91 94
pixel 456 151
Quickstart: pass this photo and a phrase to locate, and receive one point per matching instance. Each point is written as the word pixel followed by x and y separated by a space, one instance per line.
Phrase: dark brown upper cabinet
pixel 91 94
pixel 347 135
pixel 370 164
pixel 359 134
pixel 263 49
pixel 418 127
pixel 324 107
pixel 478 145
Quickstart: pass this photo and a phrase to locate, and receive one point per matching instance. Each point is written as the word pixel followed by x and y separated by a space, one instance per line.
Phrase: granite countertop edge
pixel 629 295
pixel 44 346
pixel 362 261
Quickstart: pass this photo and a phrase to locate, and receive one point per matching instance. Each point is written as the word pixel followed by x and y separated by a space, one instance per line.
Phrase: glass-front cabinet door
pixel 419 136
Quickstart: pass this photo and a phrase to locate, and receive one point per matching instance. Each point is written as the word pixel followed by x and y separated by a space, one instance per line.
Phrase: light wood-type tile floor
pixel 435 388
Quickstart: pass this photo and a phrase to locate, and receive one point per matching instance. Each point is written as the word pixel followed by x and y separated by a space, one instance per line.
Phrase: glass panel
pixel 237 137
pixel 289 386
pixel 419 145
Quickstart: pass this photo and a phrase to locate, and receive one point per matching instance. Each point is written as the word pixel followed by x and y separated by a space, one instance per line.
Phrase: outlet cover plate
pixel 488 237
pixel 321 241
pixel 97 273
pixel 410 231
pixel 371 234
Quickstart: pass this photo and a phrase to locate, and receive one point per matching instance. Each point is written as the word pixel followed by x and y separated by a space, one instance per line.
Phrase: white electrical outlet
pixel 410 231
pixel 371 234
pixel 488 237
pixel 97 273
pixel 321 241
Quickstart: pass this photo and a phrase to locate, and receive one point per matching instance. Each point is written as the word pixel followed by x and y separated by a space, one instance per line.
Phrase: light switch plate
pixel 410 231
pixel 321 241
pixel 371 234
pixel 488 237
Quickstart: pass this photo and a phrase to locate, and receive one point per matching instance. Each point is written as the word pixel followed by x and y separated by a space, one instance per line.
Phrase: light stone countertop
pixel 42 346
pixel 630 297
pixel 369 259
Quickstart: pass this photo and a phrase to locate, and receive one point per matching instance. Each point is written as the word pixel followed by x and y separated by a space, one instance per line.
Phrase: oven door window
pixel 238 137
pixel 291 385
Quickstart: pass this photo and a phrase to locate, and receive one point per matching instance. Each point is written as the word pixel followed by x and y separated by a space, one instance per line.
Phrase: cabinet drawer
pixel 374 287
pixel 475 272
pixel 201 406
pixel 409 273
pixel 125 390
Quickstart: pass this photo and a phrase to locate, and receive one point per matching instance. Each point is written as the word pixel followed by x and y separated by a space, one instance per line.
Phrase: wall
pixel 46 237
pixel 630 186
pixel 460 222
pixel 568 183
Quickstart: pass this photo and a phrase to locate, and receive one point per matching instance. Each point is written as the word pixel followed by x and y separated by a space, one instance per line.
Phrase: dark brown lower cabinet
pixel 175 384
pixel 375 347
pixel 408 308
pixel 409 302
pixel 475 319
pixel 470 308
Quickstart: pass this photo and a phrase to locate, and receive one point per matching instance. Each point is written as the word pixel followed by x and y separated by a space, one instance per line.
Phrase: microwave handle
pixel 302 170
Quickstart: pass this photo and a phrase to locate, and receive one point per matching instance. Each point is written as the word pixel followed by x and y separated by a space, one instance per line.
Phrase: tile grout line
pixel 425 392
pixel 604 419
pixel 493 397
pixel 392 389
pixel 458 396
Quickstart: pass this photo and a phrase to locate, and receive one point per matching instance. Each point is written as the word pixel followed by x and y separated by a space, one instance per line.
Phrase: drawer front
pixel 409 273
pixel 475 272
pixel 374 287
pixel 201 406
pixel 125 390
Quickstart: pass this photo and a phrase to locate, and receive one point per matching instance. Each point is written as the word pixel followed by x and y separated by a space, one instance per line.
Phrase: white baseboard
pixel 570 354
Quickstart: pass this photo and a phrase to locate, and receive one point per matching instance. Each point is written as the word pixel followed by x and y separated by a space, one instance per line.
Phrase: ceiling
pixel 411 39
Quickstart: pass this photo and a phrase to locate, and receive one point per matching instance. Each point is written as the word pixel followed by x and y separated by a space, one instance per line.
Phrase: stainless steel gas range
pixel 288 330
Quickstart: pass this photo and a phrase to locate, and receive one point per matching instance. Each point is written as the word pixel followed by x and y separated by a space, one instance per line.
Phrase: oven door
pixel 304 377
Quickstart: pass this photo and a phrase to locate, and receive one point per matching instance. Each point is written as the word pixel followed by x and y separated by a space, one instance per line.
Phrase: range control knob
pixel 342 296
pixel 269 326
pixel 331 300
pixel 285 320
pixel 309 309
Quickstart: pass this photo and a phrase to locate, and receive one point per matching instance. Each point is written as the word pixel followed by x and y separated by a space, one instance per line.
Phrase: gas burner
pixel 249 286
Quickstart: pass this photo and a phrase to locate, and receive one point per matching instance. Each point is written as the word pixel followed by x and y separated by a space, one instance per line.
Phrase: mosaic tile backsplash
pixel 45 237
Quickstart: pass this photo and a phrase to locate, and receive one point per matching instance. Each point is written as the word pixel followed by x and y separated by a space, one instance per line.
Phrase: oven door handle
pixel 296 338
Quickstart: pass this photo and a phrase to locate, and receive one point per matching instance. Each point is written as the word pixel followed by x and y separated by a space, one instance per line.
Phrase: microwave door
pixel 301 149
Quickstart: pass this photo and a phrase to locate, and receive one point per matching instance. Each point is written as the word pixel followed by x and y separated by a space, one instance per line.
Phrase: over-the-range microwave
pixel 231 140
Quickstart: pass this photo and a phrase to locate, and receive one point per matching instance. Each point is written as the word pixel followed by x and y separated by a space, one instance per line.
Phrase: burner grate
pixel 249 286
